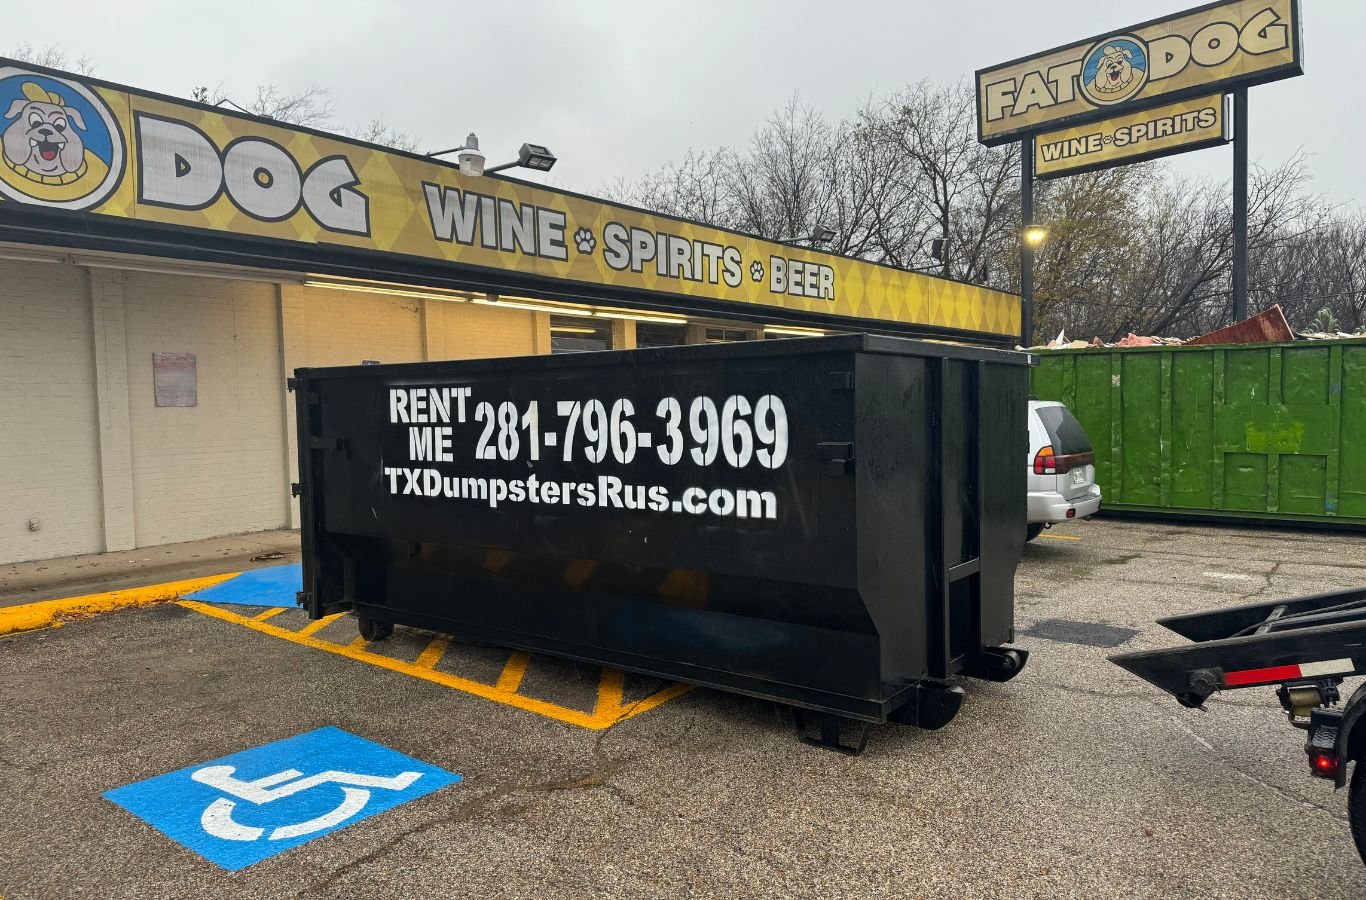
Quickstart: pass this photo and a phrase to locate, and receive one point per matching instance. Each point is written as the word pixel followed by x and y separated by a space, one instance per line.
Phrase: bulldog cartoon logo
pixel 60 145
pixel 1114 70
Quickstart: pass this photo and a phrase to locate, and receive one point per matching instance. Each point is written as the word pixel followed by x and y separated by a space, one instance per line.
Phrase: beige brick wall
pixel 341 328
pixel 49 464
pixel 472 331
pixel 216 468
pixel 323 327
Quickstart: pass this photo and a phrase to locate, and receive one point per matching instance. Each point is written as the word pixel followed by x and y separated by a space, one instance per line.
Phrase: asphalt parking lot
pixel 1074 780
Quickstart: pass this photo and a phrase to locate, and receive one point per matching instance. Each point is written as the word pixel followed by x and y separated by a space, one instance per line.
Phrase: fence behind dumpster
pixel 1267 431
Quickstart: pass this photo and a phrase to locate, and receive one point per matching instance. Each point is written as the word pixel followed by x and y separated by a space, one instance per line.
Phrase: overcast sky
pixel 617 89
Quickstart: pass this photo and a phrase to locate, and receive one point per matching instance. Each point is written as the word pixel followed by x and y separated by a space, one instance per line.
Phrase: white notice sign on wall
pixel 174 379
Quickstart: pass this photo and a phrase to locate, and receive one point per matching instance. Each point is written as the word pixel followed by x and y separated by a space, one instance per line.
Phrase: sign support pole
pixel 1026 251
pixel 1240 203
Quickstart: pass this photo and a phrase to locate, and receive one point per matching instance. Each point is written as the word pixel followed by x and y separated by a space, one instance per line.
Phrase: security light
pixel 536 156
pixel 1035 235
pixel 531 156
pixel 820 234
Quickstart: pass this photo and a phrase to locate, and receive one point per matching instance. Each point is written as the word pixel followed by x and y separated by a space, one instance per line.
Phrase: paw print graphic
pixel 584 240
pixel 756 270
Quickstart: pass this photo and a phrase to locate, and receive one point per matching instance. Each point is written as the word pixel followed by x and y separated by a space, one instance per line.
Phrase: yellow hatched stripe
pixel 433 653
pixel 608 711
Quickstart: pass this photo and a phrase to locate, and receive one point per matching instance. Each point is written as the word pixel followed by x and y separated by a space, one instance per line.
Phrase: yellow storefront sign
pixel 1195 52
pixel 76 144
pixel 1162 131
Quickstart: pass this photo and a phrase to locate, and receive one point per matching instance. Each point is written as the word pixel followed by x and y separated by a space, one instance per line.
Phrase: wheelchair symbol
pixel 217 818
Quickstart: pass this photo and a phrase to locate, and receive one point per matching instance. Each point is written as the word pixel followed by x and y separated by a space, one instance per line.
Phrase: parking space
pixel 1074 780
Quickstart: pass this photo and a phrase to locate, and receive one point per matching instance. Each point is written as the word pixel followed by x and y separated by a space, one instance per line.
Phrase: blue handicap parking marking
pixel 271 586
pixel 249 806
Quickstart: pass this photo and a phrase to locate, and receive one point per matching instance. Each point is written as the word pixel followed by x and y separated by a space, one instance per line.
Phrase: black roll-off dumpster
pixel 832 523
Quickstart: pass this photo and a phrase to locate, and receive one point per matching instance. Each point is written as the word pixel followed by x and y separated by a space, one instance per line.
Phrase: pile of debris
pixel 1266 327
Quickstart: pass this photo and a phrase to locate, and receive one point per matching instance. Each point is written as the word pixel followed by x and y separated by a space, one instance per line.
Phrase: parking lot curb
pixel 53 613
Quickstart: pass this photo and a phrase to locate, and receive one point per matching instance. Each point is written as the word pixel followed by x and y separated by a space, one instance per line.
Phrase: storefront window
pixel 729 335
pixel 573 334
pixel 652 334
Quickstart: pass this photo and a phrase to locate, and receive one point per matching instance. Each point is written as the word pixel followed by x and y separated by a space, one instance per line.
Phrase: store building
pixel 164 266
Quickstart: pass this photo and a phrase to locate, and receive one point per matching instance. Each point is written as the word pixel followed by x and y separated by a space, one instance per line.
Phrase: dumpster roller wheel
pixel 998 664
pixel 373 629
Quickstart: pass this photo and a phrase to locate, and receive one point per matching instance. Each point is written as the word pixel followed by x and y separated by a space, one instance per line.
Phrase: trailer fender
pixel 1351 741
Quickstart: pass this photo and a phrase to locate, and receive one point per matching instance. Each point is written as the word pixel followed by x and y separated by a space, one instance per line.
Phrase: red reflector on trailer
pixel 1262 676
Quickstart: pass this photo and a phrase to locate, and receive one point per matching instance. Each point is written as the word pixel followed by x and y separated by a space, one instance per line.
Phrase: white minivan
pixel 1062 468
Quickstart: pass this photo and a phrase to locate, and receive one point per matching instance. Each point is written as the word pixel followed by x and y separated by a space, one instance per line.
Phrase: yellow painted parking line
pixel 658 698
pixel 317 625
pixel 510 679
pixel 608 710
pixel 1060 537
pixel 53 613
pixel 430 656
pixel 610 689
pixel 268 614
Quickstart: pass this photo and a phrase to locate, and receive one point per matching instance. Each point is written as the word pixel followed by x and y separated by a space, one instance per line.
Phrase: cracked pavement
pixel 1074 780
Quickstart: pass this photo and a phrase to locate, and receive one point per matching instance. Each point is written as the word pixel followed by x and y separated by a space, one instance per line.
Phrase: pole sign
pixel 76 144
pixel 1134 137
pixel 1198 52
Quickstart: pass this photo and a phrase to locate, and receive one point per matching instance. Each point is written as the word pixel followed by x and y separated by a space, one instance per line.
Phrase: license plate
pixel 1079 475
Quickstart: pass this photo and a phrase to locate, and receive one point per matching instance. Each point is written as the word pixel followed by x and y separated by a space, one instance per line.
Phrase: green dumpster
pixel 1263 431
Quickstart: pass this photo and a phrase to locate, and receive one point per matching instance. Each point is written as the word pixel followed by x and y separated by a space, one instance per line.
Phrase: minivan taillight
pixel 1045 463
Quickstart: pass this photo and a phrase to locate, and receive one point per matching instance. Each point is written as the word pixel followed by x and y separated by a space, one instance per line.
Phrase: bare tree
pixel 960 191
pixel 797 173
pixel 377 131
pixel 780 188
pixel 872 213
pixel 1319 270
pixel 310 108
pixel 1081 272
pixel 1131 248
pixel 692 189
pixel 53 56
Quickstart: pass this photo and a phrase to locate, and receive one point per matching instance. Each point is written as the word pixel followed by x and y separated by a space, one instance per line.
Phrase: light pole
pixel 1026 250
pixel 1031 239
pixel 1239 203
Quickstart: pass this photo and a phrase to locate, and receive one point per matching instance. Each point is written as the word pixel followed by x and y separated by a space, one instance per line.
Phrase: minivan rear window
pixel 1064 431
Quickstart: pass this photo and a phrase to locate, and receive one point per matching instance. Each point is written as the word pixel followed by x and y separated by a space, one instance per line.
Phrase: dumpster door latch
pixel 837 456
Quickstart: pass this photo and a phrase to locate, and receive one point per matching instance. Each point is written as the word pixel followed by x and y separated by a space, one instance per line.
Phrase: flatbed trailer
pixel 1305 647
